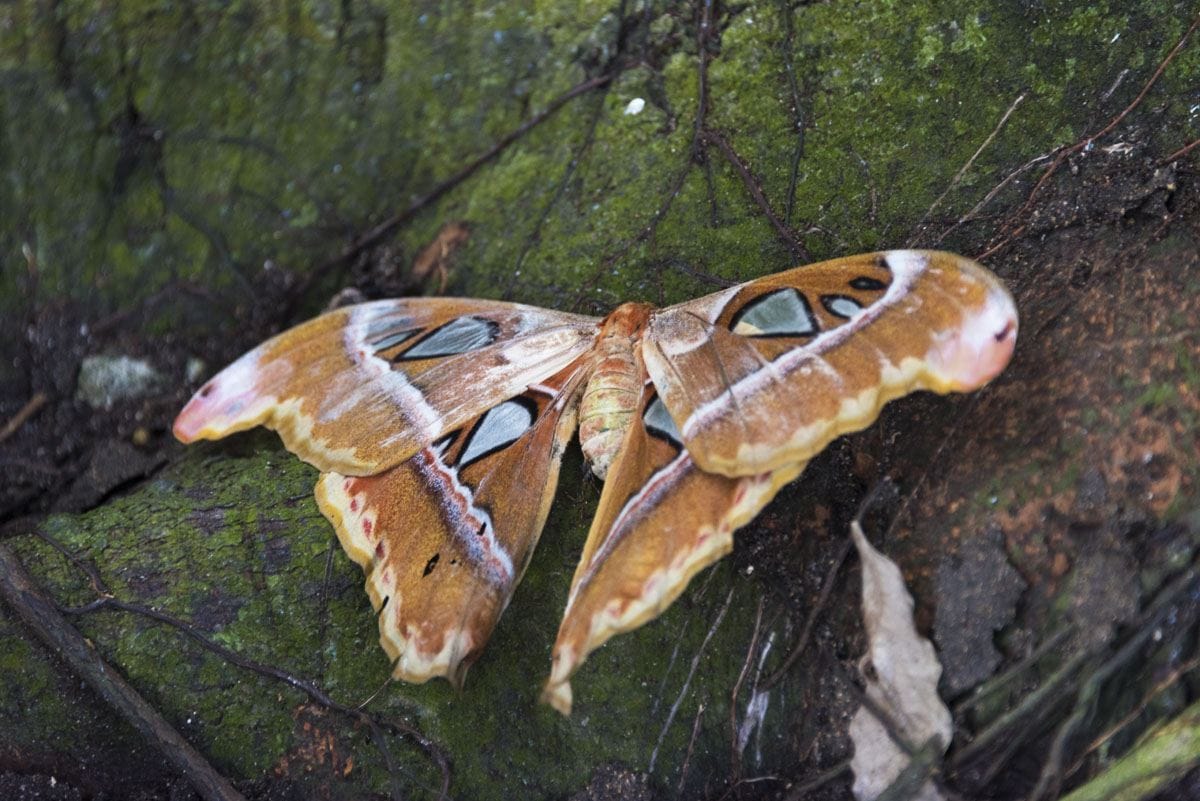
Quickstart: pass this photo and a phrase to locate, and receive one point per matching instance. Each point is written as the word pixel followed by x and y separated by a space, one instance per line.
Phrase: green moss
pixel 271 125
pixel 244 559
pixel 1157 395
pixel 1186 363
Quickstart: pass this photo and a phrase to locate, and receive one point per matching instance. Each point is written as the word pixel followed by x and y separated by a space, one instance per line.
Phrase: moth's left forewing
pixel 764 375
pixel 660 521
pixel 444 537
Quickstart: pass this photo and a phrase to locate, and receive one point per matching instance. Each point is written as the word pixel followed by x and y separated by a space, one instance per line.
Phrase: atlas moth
pixel 438 425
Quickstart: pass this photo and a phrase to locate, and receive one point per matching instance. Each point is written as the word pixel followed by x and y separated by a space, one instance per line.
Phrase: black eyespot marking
pixel 460 335
pixel 868 284
pixel 500 427
pixel 841 306
pixel 383 605
pixel 431 564
pixel 482 530
pixel 782 313
pixel 882 263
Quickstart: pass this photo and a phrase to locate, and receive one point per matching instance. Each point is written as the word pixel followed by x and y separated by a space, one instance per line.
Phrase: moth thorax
pixel 611 397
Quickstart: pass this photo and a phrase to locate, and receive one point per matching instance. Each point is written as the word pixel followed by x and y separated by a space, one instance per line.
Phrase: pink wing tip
pixel 983 347
pixel 196 414
pixel 235 393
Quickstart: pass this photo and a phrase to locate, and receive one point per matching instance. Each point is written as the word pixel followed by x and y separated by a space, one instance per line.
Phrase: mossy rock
pixel 230 540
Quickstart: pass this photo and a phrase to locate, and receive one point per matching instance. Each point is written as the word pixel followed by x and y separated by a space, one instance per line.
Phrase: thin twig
pixel 95 580
pixel 666 674
pixel 963 171
pixel 1086 142
pixel 687 759
pixel 737 688
pixel 1180 153
pixel 171 292
pixel 919 771
pixel 755 189
pixel 967 406
pixel 1012 229
pixel 825 777
pixel 303 685
pixel 31 407
pixel 1051 775
pixel 709 278
pixel 378 233
pixel 1001 680
pixel 535 235
pixel 687 683
pixel 1153 341
pixel 990 196
pixel 1169 681
pixel 810 622
pixel 753 780
pixel 389 763
pixel 702 34
pixel 695 156
pixel 1040 700
pixel 881 488
pixel 798 119
pixel 28 600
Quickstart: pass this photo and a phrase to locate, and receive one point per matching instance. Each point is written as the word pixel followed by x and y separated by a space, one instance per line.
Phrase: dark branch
pixel 386 228
pixel 26 598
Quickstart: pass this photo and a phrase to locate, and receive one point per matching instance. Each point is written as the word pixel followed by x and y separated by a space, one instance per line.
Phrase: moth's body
pixel 611 396
pixel 439 423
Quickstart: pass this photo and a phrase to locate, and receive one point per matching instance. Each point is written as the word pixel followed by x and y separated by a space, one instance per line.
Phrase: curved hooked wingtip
pixel 981 346
pixel 234 399
pixel 194 416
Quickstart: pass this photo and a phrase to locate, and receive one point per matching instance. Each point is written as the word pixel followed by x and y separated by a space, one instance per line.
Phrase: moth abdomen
pixel 611 397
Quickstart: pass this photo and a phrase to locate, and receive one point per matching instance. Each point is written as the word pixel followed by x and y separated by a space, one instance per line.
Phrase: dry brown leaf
pixel 435 257
pixel 902 672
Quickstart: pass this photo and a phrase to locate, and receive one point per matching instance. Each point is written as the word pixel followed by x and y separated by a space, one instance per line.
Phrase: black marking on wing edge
pixel 431 564
pixel 868 284
pixel 460 335
pixel 392 340
pixel 659 423
pixel 483 440
pixel 782 313
pixel 841 306
pixel 443 445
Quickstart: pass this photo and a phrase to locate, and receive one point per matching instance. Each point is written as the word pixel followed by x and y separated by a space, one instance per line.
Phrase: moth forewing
pixel 363 388
pixel 767 375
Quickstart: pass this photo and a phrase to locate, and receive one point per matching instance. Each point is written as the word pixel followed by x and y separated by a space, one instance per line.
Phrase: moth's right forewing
pixel 360 389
